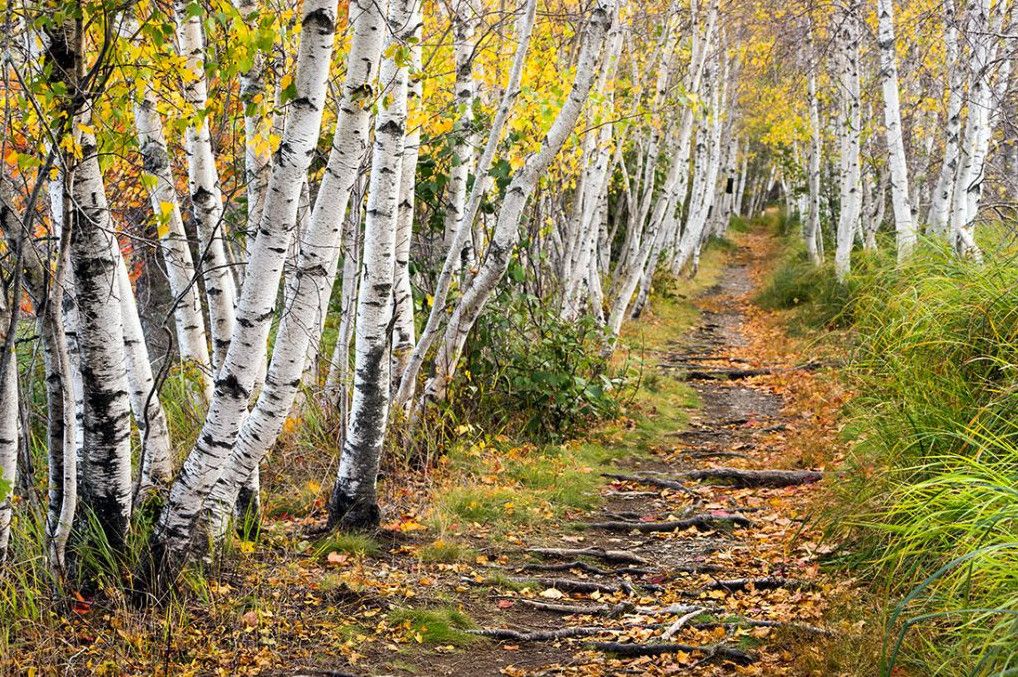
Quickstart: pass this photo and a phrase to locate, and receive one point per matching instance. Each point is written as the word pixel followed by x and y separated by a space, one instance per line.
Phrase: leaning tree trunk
pixel 174 535
pixel 464 134
pixel 203 180
pixel 315 271
pixel 506 233
pixel 904 223
pixel 353 503
pixel 408 382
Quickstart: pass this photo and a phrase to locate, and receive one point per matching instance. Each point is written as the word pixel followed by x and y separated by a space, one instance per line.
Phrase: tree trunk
pixel 851 128
pixel 174 534
pixel 464 134
pixel 939 217
pixel 408 383
pixel 319 248
pixel 104 486
pixel 203 181
pixel 353 504
pixel 9 429
pixel 904 221
pixel 192 342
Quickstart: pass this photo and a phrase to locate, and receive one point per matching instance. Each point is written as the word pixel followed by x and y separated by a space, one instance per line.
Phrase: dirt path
pixel 678 572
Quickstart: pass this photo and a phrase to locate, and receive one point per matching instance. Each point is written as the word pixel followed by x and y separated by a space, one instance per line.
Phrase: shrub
pixel 527 367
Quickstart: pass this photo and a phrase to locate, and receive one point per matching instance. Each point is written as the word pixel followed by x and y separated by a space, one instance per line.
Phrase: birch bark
pixel 174 535
pixel 203 180
pixel 939 217
pixel 851 127
pixel 9 427
pixel 408 383
pixel 315 271
pixel 904 222
pixel 353 503
pixel 813 234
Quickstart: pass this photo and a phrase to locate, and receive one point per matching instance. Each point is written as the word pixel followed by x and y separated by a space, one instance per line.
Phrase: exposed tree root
pixel 572 585
pixel 749 623
pixel 701 522
pixel 757 478
pixel 613 611
pixel 764 583
pixel 606 555
pixel 651 481
pixel 636 650
pixel 540 635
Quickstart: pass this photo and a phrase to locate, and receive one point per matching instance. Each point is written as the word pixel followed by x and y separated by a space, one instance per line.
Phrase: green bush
pixel 526 367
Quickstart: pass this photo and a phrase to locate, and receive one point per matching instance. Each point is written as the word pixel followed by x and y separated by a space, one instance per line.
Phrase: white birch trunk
pixel 192 342
pixel 939 217
pixel 104 485
pixel 353 503
pixel 315 271
pixel 175 535
pixel 403 329
pixel 156 450
pixel 968 178
pixel 203 182
pixel 464 22
pixel 9 427
pixel 408 383
pixel 813 234
pixel 851 127
pixel 904 221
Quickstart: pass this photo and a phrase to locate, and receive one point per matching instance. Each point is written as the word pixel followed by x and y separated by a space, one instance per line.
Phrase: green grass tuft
pixel 441 625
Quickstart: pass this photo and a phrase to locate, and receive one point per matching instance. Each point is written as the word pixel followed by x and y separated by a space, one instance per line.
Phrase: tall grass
pixel 928 507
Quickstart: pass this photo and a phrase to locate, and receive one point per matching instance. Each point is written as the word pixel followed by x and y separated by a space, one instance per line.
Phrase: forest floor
pixel 681 540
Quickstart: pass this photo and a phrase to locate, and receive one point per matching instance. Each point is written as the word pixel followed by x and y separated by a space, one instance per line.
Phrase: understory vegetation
pixel 925 507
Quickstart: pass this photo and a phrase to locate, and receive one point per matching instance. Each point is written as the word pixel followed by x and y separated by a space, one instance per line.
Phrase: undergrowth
pixel 926 508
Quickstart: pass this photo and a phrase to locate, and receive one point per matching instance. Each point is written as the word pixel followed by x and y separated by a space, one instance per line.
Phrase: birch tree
pixel 203 182
pixel 353 504
pixel 940 206
pixel 813 234
pixel 432 328
pixel 904 222
pixel 9 426
pixel 316 266
pixel 850 129
pixel 192 340
pixel 174 536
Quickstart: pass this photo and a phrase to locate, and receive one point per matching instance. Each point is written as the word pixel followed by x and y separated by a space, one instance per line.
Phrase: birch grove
pixel 244 243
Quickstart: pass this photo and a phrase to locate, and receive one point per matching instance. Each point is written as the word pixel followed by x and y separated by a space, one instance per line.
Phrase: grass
pixel 926 510
pixel 359 545
pixel 441 625
pixel 447 552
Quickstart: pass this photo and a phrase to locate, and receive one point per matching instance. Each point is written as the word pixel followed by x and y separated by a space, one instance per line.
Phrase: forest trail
pixel 714 572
